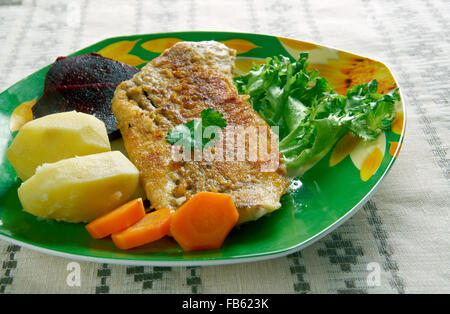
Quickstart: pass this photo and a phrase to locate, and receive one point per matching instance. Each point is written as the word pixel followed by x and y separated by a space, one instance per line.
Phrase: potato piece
pixel 80 189
pixel 118 145
pixel 55 137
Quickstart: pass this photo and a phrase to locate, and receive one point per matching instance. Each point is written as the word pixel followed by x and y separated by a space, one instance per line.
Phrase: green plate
pixel 323 198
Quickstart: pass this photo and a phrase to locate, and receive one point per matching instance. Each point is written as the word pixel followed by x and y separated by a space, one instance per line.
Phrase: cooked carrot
pixel 118 219
pixel 152 227
pixel 203 222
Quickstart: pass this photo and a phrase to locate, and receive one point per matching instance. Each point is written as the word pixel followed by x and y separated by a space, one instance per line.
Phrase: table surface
pixel 402 232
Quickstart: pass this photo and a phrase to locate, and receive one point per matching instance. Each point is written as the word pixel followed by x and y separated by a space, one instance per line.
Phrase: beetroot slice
pixel 87 69
pixel 89 99
pixel 86 84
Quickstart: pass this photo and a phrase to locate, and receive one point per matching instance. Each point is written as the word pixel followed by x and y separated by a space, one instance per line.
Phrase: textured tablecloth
pixel 403 231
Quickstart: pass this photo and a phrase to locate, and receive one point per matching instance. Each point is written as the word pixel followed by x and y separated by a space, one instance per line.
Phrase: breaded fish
pixel 173 89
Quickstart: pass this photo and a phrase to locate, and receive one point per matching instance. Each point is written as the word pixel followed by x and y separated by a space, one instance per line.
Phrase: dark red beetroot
pixel 84 83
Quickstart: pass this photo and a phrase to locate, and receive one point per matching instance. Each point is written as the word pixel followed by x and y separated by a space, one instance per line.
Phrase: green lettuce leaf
pixel 310 115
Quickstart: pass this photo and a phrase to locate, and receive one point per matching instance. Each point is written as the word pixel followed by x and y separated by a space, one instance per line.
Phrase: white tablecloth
pixel 403 230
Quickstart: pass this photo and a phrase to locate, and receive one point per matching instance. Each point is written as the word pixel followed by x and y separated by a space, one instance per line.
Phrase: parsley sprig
pixel 192 134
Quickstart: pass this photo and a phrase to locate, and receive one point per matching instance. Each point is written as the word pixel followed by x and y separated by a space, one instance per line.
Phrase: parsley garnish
pixel 191 134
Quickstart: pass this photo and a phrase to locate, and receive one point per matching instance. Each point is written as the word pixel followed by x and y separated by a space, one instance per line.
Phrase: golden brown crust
pixel 173 89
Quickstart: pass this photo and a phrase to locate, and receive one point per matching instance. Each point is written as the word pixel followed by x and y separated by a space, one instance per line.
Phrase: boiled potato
pixel 80 189
pixel 55 137
pixel 119 145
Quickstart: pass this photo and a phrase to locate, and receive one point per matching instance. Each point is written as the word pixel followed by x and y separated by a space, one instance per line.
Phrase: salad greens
pixel 310 115
pixel 191 133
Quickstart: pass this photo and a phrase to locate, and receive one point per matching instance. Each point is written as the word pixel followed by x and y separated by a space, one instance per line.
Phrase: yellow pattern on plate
pixel 371 164
pixel 394 148
pixel 367 156
pixel 243 65
pixel 120 51
pixel 21 115
pixel 350 70
pixel 296 45
pixel 240 45
pixel 159 45
pixel 397 124
pixel 343 148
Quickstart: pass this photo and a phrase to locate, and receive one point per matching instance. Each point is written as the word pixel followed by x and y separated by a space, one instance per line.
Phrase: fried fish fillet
pixel 173 89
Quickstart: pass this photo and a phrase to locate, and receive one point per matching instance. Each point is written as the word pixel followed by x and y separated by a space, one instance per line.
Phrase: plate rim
pixel 234 259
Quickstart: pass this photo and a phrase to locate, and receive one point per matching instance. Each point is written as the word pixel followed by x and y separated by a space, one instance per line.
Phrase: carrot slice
pixel 117 220
pixel 152 227
pixel 203 222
